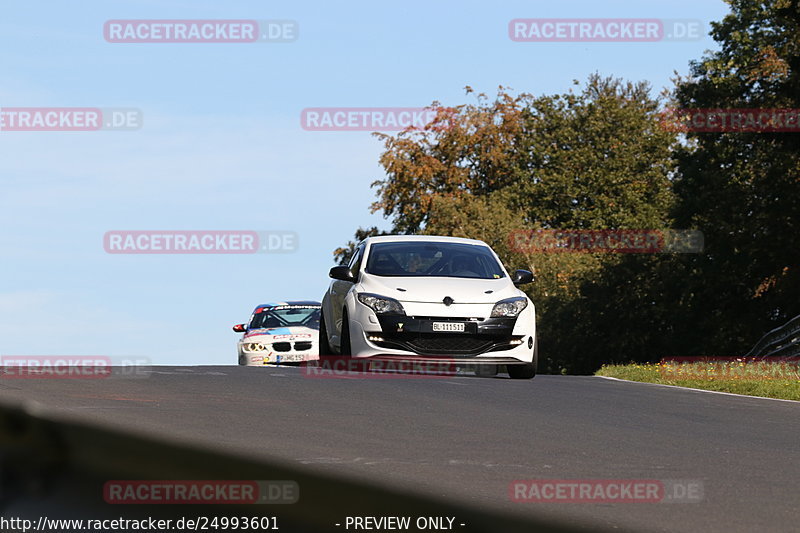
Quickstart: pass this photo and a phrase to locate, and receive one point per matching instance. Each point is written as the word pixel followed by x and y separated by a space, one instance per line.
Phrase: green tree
pixel 597 159
pixel 742 189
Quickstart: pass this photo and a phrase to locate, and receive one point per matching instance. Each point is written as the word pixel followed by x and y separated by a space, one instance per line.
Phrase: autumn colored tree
pixel 595 159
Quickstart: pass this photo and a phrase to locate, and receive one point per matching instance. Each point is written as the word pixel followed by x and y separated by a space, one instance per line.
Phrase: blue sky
pixel 222 148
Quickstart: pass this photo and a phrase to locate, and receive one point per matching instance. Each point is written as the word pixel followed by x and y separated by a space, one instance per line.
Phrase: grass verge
pixel 773 380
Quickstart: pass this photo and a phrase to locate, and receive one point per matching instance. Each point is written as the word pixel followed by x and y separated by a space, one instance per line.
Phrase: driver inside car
pixel 463 266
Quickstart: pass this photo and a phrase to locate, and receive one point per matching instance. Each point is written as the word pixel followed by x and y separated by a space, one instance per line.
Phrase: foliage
pixel 601 158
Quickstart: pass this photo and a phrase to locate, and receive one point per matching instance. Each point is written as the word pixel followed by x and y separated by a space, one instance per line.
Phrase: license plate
pixel 283 358
pixel 448 326
pixel 291 358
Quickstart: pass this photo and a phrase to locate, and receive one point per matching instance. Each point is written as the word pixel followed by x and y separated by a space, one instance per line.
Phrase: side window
pixel 355 261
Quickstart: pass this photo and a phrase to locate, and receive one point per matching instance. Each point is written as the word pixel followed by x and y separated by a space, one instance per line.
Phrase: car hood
pixel 278 333
pixel 434 290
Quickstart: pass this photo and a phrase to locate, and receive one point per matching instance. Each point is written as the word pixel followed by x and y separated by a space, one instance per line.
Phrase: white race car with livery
pixel 282 332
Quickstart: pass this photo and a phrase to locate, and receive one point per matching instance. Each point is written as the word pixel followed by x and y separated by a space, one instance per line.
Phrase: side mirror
pixel 342 273
pixel 522 277
pixel 239 328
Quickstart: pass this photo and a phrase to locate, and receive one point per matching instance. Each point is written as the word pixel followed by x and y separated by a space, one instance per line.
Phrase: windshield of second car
pixel 436 259
pixel 286 316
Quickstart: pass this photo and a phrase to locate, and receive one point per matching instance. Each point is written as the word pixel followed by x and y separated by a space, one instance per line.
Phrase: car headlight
pixel 381 304
pixel 254 347
pixel 510 307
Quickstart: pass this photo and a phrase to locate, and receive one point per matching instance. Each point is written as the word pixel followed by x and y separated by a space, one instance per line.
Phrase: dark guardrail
pixel 783 342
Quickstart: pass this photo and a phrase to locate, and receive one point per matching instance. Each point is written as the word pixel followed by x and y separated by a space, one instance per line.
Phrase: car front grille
pixel 299 346
pixel 449 344
pixel 445 344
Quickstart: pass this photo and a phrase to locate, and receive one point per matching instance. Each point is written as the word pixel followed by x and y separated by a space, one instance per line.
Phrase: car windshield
pixel 433 259
pixel 285 316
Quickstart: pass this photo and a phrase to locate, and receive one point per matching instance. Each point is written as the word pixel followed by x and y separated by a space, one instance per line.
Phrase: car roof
pixel 422 238
pixel 293 302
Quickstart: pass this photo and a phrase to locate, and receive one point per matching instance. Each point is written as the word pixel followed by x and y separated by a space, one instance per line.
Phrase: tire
pixel 344 345
pixel 324 346
pixel 526 371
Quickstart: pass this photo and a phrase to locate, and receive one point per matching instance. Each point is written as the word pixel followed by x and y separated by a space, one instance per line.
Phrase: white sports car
pixel 284 332
pixel 432 298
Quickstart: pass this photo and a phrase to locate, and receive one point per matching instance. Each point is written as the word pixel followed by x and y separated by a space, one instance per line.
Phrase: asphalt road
pixel 468 438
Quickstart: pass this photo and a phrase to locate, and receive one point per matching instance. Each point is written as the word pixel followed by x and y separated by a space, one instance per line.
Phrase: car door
pixel 338 291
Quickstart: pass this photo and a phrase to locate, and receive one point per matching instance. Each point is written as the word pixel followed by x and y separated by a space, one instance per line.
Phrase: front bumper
pixel 483 341
pixel 289 351
pixel 416 335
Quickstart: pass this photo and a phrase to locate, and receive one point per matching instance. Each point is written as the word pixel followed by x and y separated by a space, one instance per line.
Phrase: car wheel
pixel 526 371
pixel 324 346
pixel 345 343
pixel 243 360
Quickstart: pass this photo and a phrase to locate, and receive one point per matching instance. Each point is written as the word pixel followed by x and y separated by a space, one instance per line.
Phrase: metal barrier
pixel 783 342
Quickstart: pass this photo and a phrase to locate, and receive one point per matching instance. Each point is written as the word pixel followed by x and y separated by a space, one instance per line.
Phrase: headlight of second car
pixel 510 307
pixel 381 304
pixel 254 347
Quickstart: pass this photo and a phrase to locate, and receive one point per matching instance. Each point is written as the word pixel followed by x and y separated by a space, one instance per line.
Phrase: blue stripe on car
pixel 270 331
